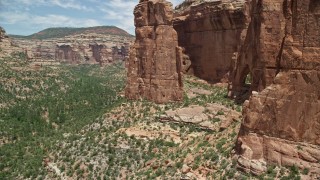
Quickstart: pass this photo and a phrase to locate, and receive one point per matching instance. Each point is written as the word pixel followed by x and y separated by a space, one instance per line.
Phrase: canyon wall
pixel 78 49
pixel 281 52
pixel 154 69
pixel 211 32
pixel 269 50
pixel 89 53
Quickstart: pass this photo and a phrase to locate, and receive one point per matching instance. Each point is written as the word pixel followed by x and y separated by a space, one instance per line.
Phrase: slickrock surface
pixel 213 117
pixel 281 52
pixel 154 70
pixel 210 32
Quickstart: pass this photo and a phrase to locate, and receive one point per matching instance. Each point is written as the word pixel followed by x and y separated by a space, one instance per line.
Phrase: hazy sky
pixel 25 17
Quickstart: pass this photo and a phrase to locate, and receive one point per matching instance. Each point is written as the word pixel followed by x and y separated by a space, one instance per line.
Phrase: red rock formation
pixel 100 53
pixel 154 70
pixel 211 32
pixel 93 53
pixel 282 53
pixel 65 53
pixel 120 52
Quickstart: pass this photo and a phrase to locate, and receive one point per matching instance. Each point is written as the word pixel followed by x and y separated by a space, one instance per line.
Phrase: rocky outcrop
pixel 154 69
pixel 211 32
pixel 91 53
pixel 99 52
pixel 281 52
pixel 7 48
pixel 66 53
pixel 2 34
pixel 120 52
pixel 212 117
pixel 4 42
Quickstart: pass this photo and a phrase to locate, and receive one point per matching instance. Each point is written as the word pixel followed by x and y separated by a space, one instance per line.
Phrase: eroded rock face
pixel 6 47
pixel 282 53
pixel 97 52
pixel 154 69
pixel 66 53
pixel 282 123
pixel 83 48
pixel 211 32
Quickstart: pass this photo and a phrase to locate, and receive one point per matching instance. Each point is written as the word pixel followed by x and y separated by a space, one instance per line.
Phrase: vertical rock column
pixel 154 70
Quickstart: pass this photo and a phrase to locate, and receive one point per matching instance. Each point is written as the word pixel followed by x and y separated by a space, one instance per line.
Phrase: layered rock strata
pixel 211 32
pixel 154 69
pixel 81 49
pixel 91 53
pixel 281 52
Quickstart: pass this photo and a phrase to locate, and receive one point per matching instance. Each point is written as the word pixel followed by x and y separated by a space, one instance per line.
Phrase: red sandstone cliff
pixel 154 70
pixel 211 32
pixel 266 46
pixel 281 124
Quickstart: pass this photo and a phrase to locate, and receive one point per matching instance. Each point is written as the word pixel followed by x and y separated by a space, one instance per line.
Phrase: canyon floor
pixel 73 122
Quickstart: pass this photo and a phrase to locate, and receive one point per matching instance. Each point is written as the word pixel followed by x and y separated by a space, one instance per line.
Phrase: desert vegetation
pixel 38 106
pixel 67 121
